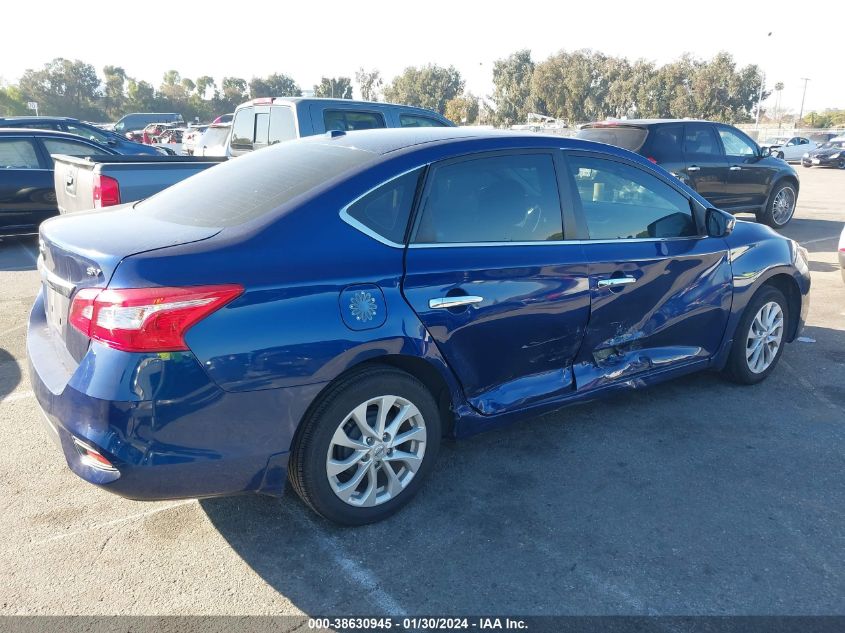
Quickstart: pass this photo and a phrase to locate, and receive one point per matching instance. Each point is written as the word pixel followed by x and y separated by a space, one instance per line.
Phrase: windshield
pixel 250 186
pixel 631 138
pixel 833 145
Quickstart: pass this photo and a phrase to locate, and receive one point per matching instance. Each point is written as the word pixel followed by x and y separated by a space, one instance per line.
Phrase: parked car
pixel 790 149
pixel 328 308
pixel 224 118
pixel 830 154
pixel 104 181
pixel 170 140
pixel 116 142
pixel 190 138
pixel 27 196
pixel 719 161
pixel 214 140
pixel 265 121
pixel 139 120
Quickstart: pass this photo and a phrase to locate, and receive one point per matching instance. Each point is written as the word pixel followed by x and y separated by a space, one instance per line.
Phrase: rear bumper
pixel 167 428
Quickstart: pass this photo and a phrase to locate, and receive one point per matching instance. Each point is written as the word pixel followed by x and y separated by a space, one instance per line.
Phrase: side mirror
pixel 718 223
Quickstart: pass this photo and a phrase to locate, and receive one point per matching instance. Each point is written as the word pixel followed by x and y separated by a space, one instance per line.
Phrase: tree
pixel 463 110
pixel 233 94
pixel 334 87
pixel 12 102
pixel 140 96
pixel 114 91
pixel 203 84
pixel 369 83
pixel 430 87
pixel 512 87
pixel 275 85
pixel 63 87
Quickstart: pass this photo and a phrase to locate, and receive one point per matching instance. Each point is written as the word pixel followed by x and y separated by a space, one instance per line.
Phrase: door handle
pixel 454 302
pixel 736 168
pixel 616 281
pixel 693 168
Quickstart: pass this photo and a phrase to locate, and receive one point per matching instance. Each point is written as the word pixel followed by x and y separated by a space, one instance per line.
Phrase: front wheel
pixel 780 206
pixel 841 164
pixel 366 447
pixel 780 155
pixel 759 337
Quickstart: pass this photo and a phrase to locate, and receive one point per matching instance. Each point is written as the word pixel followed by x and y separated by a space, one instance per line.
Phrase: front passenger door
pixel 660 289
pixel 750 174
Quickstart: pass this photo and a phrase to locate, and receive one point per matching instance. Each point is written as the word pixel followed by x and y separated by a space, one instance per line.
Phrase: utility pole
pixel 760 96
pixel 804 94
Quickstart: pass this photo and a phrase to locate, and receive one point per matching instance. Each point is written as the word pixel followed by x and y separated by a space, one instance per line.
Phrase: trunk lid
pixel 83 250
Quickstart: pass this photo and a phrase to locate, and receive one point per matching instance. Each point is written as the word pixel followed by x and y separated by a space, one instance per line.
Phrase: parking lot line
pixel 820 239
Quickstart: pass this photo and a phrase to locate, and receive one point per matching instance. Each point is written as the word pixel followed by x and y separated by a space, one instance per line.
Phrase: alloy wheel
pixel 783 206
pixel 764 337
pixel 376 451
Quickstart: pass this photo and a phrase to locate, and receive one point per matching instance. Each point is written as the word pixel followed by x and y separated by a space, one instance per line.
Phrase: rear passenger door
pixel 706 167
pixel 27 196
pixel 488 273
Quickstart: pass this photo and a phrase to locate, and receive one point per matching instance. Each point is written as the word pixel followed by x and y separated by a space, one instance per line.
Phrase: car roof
pixel 331 101
pixel 641 122
pixel 386 140
pixel 37 119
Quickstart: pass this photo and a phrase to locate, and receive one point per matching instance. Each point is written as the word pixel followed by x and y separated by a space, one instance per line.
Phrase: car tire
pixel 780 155
pixel 780 207
pixel 332 436
pixel 841 163
pixel 763 327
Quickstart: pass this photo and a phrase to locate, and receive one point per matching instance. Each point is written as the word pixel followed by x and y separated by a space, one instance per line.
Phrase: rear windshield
pixel 631 138
pixel 215 136
pixel 250 186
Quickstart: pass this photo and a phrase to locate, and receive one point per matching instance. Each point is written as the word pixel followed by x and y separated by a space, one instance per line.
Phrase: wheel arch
pixel 787 178
pixel 789 287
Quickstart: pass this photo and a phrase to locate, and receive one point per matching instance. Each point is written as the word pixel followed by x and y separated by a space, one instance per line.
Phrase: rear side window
pixel 282 124
pixel 18 153
pixel 243 129
pixel 620 202
pixel 350 120
pixel 385 210
pixel 700 140
pixel 630 138
pixel 255 184
pixel 413 120
pixel 71 148
pixel 496 199
pixel 665 144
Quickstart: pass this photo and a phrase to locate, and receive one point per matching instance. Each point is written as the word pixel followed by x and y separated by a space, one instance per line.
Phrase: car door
pixel 706 168
pixel 27 197
pixel 503 296
pixel 660 290
pixel 750 175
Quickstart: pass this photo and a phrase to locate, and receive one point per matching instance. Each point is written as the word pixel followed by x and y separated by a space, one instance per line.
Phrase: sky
pixel 308 40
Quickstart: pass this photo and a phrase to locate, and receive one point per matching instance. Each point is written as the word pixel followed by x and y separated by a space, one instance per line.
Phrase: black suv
pixel 717 160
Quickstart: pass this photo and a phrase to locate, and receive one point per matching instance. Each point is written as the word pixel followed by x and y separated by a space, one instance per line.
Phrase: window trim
pixel 363 228
pixel 552 152
pixel 578 207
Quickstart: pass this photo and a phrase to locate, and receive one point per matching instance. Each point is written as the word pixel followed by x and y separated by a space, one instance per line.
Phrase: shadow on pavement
pixel 10 373
pixel 694 497
pixel 18 253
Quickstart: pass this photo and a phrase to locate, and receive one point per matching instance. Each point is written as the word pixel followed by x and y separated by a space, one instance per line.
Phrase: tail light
pixel 90 456
pixel 106 191
pixel 651 159
pixel 146 319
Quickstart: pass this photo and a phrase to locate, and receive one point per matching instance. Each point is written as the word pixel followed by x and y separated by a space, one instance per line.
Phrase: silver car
pixel 214 141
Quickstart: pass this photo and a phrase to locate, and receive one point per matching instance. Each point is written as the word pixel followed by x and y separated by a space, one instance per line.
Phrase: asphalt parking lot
pixel 694 497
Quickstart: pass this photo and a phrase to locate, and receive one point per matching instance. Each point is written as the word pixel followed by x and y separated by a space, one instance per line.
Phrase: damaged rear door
pixel 660 289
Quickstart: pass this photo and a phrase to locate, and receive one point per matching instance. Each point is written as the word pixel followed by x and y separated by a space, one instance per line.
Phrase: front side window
pixel 18 153
pixel 412 120
pixel 736 145
pixel 243 129
pixel 495 199
pixel 70 148
pixel 700 141
pixel 282 124
pixel 620 201
pixel 350 120
pixel 87 132
pixel 385 210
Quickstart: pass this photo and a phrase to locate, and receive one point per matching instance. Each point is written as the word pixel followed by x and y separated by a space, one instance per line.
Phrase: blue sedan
pixel 325 310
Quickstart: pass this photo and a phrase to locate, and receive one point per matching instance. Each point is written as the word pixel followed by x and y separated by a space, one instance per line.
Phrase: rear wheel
pixel 759 337
pixel 366 447
pixel 841 163
pixel 780 206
